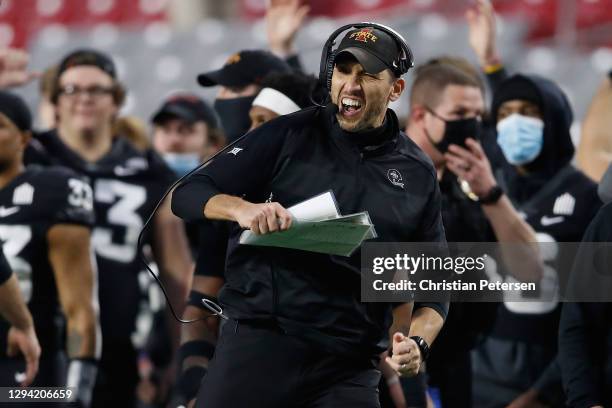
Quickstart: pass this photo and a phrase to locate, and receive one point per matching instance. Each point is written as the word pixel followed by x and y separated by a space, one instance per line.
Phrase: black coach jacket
pixel 292 159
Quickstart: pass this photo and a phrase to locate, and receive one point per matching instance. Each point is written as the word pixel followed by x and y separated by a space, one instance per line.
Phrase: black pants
pixel 454 379
pixel 263 367
pixel 117 376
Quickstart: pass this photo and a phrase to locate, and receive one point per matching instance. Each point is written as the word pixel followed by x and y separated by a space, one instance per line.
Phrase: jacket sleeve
pixel 242 170
pixel 580 329
pixel 579 371
pixel 432 230
pixel 549 386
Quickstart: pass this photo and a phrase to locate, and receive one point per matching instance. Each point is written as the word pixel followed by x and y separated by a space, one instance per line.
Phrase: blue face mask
pixel 182 163
pixel 520 138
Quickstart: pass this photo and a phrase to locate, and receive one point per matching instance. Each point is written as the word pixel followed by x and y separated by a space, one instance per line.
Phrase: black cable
pixel 216 310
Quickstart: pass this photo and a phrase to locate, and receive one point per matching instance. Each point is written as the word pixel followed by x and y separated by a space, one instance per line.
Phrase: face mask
pixel 234 115
pixel 182 163
pixel 520 138
pixel 456 131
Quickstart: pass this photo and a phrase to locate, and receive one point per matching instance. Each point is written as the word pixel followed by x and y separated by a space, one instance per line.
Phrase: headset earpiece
pixel 330 71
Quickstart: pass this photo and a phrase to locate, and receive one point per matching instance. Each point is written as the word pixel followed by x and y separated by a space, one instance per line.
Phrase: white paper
pixel 317 208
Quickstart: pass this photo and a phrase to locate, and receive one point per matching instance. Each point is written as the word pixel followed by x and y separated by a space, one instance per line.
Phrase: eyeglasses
pixel 93 91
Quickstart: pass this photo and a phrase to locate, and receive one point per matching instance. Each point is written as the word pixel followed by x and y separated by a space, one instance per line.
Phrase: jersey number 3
pixel 15 238
pixel 126 199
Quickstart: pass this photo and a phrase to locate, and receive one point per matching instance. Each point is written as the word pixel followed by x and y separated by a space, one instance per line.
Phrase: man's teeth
pixel 347 102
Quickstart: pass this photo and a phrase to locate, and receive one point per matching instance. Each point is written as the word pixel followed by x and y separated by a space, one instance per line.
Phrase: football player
pixel 127 184
pixel 46 216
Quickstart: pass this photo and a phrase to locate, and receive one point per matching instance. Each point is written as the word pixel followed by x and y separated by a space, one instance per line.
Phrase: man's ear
pixel 398 87
pixel 417 113
pixel 25 138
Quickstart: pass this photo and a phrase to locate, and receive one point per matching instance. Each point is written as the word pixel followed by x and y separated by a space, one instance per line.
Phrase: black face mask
pixel 234 115
pixel 456 131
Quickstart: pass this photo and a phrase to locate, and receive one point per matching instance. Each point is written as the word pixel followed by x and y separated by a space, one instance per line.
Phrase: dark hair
pixel 433 77
pixel 119 91
pixel 297 86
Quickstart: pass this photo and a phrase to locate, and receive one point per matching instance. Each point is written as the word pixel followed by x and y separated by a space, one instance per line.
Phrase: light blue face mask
pixel 520 138
pixel 182 163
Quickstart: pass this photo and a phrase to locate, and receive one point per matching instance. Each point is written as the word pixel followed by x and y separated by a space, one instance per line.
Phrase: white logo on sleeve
pixel 564 204
pixel 395 177
pixel 24 194
pixel 6 211
pixel 547 221
pixel 235 151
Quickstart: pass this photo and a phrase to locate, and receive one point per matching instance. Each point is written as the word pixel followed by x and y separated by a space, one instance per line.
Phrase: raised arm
pixel 594 152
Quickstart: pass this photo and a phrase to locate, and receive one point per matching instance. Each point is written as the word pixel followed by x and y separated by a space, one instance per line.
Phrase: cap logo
pixel 364 35
pixel 233 59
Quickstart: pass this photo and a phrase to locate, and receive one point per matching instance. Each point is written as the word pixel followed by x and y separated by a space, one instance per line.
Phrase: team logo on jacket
pixel 395 177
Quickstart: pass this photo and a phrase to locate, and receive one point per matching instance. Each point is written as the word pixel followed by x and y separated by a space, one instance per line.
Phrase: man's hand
pixel 26 342
pixel 481 24
pixel 283 20
pixel 13 68
pixel 406 360
pixel 262 218
pixel 528 399
pixel 471 165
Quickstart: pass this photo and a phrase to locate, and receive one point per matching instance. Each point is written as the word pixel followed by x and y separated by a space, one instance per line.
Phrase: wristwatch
pixel 492 196
pixel 423 346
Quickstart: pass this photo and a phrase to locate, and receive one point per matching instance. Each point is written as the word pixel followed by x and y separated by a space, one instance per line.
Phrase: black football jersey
pixel 30 205
pixel 127 184
pixel 559 212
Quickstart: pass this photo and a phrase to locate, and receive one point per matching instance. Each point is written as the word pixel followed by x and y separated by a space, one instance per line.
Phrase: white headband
pixel 276 101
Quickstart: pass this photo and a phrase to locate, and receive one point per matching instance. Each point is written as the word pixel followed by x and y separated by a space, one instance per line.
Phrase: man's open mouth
pixel 350 106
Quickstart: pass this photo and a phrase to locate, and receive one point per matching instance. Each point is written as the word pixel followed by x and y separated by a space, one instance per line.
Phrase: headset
pixel 404 62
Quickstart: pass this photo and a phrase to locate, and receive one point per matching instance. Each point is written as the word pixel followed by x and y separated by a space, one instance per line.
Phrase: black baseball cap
pixel 374 49
pixel 187 107
pixel 14 108
pixel 244 68
pixel 88 57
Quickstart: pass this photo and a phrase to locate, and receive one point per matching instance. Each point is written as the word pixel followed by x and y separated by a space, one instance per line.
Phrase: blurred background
pixel 161 45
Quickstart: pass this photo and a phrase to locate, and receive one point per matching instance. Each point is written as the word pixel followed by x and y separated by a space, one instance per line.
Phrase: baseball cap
pixel 88 56
pixel 244 68
pixel 187 107
pixel 374 49
pixel 14 108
